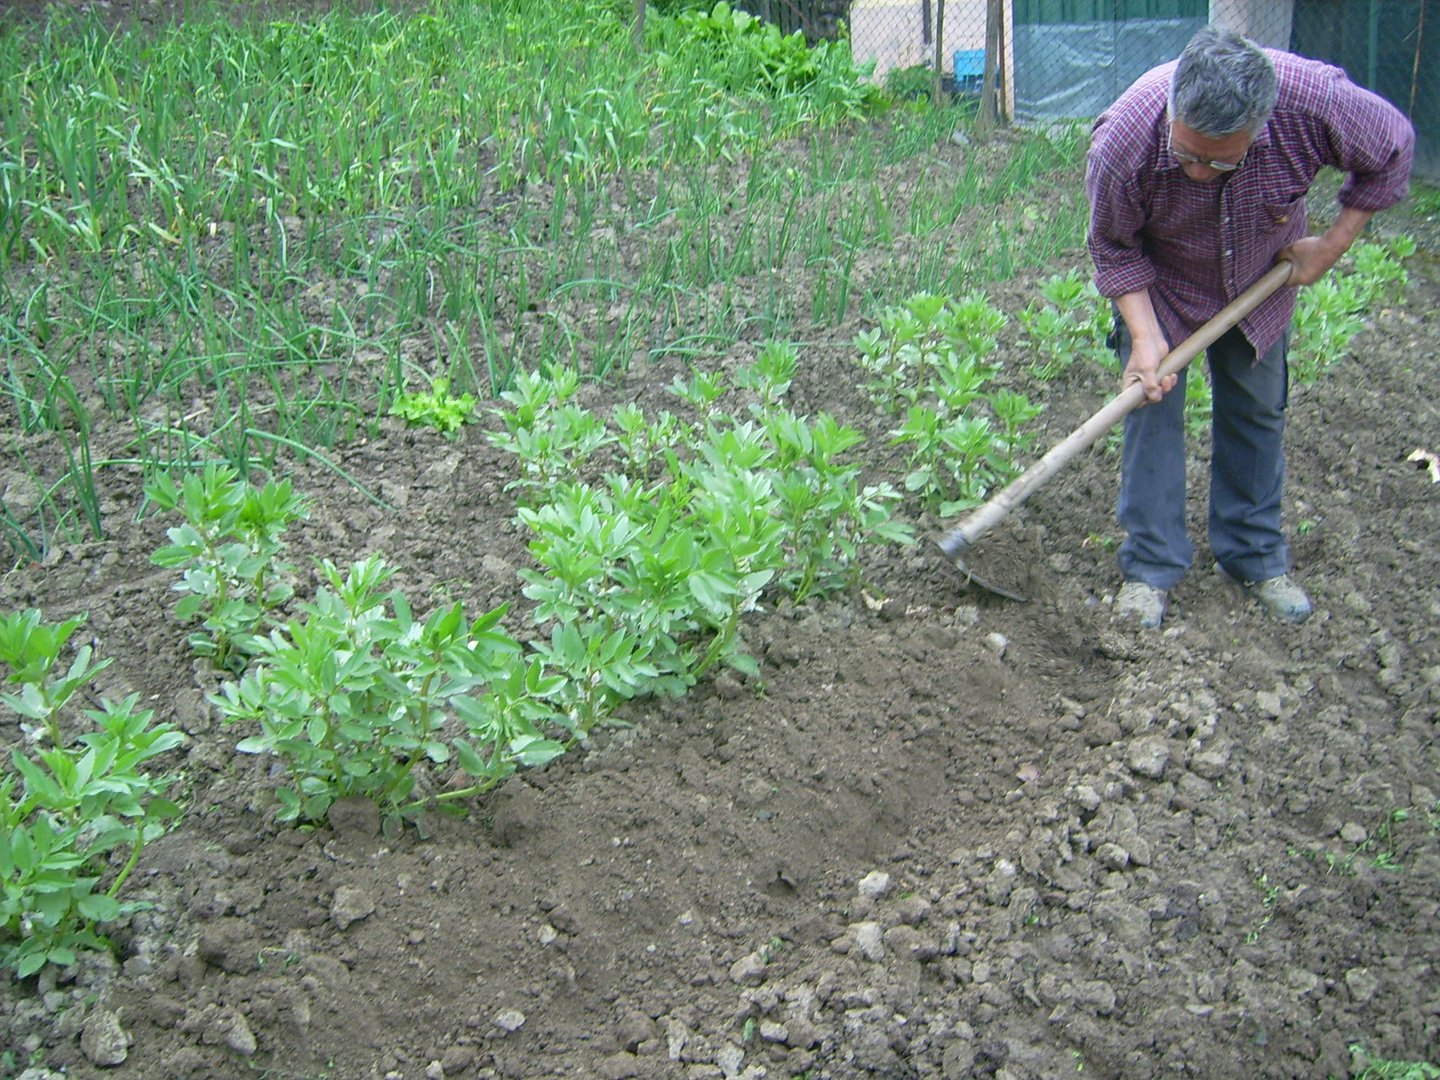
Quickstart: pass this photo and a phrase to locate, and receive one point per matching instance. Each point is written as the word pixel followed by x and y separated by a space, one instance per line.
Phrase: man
pixel 1197 177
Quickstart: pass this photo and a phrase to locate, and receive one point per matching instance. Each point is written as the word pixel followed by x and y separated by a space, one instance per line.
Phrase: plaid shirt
pixel 1197 246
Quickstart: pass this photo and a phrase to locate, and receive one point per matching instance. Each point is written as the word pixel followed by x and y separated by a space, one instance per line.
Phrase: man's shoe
pixel 1141 603
pixel 1281 597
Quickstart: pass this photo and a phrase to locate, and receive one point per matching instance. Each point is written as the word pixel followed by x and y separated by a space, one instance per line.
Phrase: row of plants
pixel 653 537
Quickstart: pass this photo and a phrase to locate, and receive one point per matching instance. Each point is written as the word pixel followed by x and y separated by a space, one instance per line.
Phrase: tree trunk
pixel 637 28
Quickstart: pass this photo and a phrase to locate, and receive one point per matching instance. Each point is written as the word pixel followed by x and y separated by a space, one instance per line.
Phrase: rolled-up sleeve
pixel 1114 238
pixel 1373 142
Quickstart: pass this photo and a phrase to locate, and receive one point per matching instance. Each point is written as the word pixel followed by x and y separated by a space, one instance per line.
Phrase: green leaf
pixel 97 907
pixel 468 759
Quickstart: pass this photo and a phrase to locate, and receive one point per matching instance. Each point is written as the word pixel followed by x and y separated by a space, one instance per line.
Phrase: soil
pixel 946 836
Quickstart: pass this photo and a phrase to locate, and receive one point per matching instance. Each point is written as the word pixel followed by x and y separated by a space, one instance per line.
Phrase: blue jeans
pixel 1247 470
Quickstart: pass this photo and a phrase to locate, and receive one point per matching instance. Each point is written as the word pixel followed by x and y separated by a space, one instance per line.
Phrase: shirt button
pixel 1227 253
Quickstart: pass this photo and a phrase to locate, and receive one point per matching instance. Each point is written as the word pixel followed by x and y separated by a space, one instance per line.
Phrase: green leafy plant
pixel 927 360
pixel 1367 1066
pixel 436 408
pixel 66 808
pixel 645 577
pixel 912 82
pixel 228 550
pixel 552 437
pixel 1069 323
pixel 356 694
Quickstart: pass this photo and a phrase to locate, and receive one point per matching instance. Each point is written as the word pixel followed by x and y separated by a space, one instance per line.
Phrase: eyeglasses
pixel 1193 159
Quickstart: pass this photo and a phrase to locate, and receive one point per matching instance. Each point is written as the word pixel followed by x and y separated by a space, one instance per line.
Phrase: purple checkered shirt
pixel 1197 246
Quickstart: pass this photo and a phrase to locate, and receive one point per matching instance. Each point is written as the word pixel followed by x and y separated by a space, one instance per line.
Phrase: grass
pixel 243 240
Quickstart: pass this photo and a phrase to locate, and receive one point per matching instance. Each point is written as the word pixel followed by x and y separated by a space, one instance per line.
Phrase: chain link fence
pixel 1056 60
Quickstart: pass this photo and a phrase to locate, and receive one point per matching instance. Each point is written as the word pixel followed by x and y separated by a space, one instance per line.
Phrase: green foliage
pixel 1330 314
pixel 228 549
pixel 1199 405
pixel 926 364
pixel 1366 1066
pixel 31 649
pixel 644 579
pixel 66 807
pixel 914 81
pixel 551 436
pixel 739 52
pixel 436 408
pixel 1070 323
pixel 357 693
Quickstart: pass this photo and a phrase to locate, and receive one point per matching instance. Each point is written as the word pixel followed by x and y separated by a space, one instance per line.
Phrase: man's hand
pixel 1145 357
pixel 1309 259
pixel 1311 256
pixel 1147 345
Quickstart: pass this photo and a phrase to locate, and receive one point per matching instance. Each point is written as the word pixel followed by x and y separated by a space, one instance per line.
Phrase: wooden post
pixel 991 115
pixel 937 84
pixel 637 28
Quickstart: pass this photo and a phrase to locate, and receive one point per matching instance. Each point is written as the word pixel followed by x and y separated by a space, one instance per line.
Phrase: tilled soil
pixel 949 837
pixel 946 836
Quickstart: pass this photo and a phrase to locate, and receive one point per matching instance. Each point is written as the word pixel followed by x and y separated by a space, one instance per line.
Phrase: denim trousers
pixel 1247 470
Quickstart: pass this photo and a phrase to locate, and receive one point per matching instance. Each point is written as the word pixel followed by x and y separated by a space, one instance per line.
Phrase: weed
pixel 436 408
pixel 1269 895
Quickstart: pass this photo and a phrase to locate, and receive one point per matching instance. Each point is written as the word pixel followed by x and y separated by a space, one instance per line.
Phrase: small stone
pixel 509 1020
pixel 997 643
pixel 676 1036
pixel 749 970
pixel 1268 702
pixel 103 1041
pixel 874 885
pixel 771 1032
pixel 1211 764
pixel 1113 855
pixel 1353 833
pixel 1148 756
pixel 869 940
pixel 349 905
pixel 635 1029
pixel 240 1038
pixel 457 1059
pixel 731 1059
pixel 1362 984
pixel 621 1066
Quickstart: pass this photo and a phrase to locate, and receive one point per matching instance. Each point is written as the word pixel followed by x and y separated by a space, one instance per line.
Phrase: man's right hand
pixel 1147 345
pixel 1144 363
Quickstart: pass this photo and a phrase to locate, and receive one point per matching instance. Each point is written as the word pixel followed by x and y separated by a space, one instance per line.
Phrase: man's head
pixel 1220 97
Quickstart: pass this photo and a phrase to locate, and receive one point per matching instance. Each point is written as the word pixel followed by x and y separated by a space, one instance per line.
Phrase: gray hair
pixel 1223 84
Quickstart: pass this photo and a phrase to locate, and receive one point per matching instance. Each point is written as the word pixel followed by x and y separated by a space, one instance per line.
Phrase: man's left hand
pixel 1309 259
pixel 1311 256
